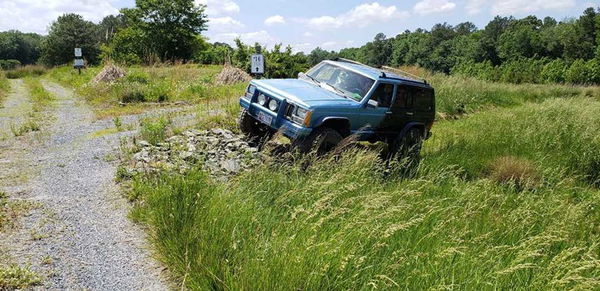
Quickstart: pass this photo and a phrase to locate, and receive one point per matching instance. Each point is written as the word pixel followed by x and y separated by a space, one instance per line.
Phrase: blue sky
pixel 303 24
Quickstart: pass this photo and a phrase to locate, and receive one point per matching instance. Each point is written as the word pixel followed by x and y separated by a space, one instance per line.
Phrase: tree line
pixel 527 50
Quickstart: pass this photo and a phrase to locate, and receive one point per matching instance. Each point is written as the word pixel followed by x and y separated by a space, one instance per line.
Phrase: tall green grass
pixel 4 86
pixel 191 84
pixel 459 95
pixel 343 224
pixel 559 136
pixel 26 71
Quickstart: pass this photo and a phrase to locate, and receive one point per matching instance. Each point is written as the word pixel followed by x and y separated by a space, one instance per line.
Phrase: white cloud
pixel 226 23
pixel 36 16
pixel 434 6
pixel 360 16
pixel 475 6
pixel 275 19
pixel 216 8
pixel 262 37
pixel 510 7
pixel 336 45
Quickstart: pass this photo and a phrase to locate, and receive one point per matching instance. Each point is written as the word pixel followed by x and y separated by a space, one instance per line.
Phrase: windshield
pixel 350 84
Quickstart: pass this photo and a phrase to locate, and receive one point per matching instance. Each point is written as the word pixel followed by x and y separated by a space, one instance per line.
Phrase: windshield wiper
pixel 313 79
pixel 339 91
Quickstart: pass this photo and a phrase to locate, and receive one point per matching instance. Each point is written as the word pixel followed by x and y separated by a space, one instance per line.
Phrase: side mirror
pixel 301 75
pixel 373 103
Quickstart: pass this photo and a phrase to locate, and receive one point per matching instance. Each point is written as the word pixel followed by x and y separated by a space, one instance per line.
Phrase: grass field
pixel 506 197
pixel 4 86
pixel 146 87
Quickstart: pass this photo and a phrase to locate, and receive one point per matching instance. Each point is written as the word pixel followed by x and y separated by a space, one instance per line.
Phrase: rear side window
pixel 384 95
pixel 404 97
pixel 414 97
pixel 423 99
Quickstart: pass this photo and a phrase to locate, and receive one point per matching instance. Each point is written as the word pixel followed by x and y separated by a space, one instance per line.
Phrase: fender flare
pixel 410 126
pixel 328 118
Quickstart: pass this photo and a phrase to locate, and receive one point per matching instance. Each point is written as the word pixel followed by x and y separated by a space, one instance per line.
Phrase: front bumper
pixel 279 122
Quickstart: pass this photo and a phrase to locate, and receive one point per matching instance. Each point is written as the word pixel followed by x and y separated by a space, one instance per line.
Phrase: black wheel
pixel 256 133
pixel 321 141
pixel 407 147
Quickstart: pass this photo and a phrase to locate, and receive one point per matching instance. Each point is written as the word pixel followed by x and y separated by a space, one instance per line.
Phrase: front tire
pixel 320 141
pixel 256 133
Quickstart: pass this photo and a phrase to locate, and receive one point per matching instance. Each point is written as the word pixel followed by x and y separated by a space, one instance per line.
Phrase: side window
pixel 384 95
pixel 404 97
pixel 423 99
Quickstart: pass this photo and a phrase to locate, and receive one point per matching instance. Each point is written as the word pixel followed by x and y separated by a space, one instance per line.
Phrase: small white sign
pixel 258 64
pixel 78 52
pixel 79 63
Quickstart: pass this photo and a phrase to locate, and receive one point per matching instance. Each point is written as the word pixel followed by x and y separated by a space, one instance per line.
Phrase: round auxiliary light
pixel 273 105
pixel 262 99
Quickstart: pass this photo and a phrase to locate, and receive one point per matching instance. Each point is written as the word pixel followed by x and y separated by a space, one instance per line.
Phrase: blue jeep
pixel 338 99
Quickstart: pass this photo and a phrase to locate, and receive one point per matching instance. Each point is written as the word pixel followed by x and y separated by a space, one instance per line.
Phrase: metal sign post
pixel 79 63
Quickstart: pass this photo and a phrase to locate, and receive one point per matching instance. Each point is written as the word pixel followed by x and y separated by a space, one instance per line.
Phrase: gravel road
pixel 79 237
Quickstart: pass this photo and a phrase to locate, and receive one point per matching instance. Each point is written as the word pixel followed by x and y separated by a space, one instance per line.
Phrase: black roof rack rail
pixel 404 73
pixel 388 69
pixel 349 61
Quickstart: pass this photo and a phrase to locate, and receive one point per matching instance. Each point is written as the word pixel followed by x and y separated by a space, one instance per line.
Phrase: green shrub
pixel 154 129
pixel 137 77
pixel 593 71
pixel 554 72
pixel 577 73
pixel 131 93
pixel 9 64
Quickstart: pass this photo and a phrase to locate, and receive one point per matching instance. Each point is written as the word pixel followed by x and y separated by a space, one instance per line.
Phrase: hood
pixel 302 92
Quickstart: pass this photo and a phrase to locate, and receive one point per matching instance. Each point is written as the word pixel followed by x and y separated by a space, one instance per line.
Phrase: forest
pixel 507 49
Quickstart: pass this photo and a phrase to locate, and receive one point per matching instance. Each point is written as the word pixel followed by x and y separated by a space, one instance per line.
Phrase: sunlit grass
pixel 471 218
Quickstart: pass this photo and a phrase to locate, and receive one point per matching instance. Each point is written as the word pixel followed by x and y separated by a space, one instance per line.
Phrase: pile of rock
pixel 232 75
pixel 218 151
pixel 110 73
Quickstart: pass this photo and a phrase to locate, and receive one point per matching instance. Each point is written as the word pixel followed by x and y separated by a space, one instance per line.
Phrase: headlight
pixel 301 112
pixel 250 91
pixel 262 99
pixel 273 105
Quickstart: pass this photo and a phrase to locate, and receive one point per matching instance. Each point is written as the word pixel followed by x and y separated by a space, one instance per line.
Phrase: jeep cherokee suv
pixel 337 99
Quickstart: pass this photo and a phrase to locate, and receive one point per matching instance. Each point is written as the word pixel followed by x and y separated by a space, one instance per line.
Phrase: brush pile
pixel 232 75
pixel 110 73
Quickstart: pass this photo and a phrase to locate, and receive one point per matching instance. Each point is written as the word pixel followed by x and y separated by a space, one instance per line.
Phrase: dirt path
pixel 80 237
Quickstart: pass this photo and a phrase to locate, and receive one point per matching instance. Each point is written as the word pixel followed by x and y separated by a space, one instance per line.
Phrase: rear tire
pixel 320 141
pixel 407 148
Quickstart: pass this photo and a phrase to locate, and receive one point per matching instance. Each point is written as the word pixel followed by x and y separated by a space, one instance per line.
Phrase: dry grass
pixel 514 171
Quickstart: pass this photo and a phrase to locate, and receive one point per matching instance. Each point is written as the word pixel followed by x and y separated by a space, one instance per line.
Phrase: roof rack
pixel 404 73
pixel 349 61
pixel 386 68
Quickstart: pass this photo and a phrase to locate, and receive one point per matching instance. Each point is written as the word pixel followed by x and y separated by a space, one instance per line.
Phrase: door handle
pixel 410 113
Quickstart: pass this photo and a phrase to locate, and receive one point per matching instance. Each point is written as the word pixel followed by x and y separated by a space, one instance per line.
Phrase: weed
pixel 117 122
pixel 29 126
pixel 154 129
pixel 14 277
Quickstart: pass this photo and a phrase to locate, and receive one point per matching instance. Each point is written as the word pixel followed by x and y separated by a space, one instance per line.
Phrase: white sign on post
pixel 79 63
pixel 78 53
pixel 258 64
